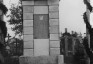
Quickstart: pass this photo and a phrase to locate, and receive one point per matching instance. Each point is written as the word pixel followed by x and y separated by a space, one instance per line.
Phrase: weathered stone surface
pixel 27 2
pixel 28 44
pixel 40 9
pixel 28 23
pixel 41 2
pixel 39 60
pixel 28 9
pixel 28 30
pixel 53 8
pixel 53 2
pixel 28 52
pixel 27 16
pixel 28 37
pixel 54 36
pixel 54 29
pixel 54 51
pixel 41 47
pixel 54 44
pixel 53 22
pixel 61 59
pixel 54 15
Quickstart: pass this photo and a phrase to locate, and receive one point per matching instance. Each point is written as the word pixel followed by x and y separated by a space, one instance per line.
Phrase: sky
pixel 70 15
pixel 71 12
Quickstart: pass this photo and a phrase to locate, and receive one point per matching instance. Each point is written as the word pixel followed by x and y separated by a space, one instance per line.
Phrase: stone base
pixel 42 60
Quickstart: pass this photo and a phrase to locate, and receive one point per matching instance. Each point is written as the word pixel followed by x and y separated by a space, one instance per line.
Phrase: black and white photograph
pixel 46 31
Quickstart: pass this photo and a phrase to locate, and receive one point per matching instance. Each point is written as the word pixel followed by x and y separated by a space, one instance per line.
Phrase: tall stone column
pixel 41 27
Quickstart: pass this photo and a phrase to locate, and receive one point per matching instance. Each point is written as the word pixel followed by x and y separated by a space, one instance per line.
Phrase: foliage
pixel 3 8
pixel 16 18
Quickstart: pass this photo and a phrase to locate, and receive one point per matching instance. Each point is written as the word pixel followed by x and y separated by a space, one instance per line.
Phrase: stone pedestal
pixel 41 28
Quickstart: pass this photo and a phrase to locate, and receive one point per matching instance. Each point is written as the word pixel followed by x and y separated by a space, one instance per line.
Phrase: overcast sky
pixel 71 12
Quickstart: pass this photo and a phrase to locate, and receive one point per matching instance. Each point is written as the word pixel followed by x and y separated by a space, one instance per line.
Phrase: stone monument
pixel 41 30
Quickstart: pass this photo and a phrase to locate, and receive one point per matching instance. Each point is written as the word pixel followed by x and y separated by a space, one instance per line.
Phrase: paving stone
pixel 40 9
pixel 54 36
pixel 28 37
pixel 27 2
pixel 54 29
pixel 28 23
pixel 53 22
pixel 54 15
pixel 54 44
pixel 54 51
pixel 53 8
pixel 28 9
pixel 27 16
pixel 28 52
pixel 28 44
pixel 28 30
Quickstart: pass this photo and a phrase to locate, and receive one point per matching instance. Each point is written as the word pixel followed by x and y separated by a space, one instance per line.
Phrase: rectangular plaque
pixel 41 26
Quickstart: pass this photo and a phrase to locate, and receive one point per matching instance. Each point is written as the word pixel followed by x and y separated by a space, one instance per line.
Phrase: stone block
pixel 54 29
pixel 28 30
pixel 38 60
pixel 54 44
pixel 28 23
pixel 27 16
pixel 27 2
pixel 54 15
pixel 54 51
pixel 53 22
pixel 28 9
pixel 41 2
pixel 61 59
pixel 28 52
pixel 28 37
pixel 28 44
pixel 53 2
pixel 40 9
pixel 41 47
pixel 53 8
pixel 54 36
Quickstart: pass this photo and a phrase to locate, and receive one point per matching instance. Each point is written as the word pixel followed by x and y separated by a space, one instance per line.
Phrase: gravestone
pixel 41 31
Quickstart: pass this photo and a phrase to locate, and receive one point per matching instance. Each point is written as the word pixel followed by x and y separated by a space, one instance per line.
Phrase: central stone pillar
pixel 41 30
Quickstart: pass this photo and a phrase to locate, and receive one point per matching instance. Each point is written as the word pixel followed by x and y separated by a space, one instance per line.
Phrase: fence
pixel 73 50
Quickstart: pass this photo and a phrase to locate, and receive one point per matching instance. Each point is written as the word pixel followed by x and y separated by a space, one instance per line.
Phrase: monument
pixel 41 31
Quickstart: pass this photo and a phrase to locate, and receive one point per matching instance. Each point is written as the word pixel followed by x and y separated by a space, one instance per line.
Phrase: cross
pixel 8 36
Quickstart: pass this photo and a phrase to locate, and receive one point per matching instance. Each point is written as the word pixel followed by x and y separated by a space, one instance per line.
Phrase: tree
pixel 16 18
